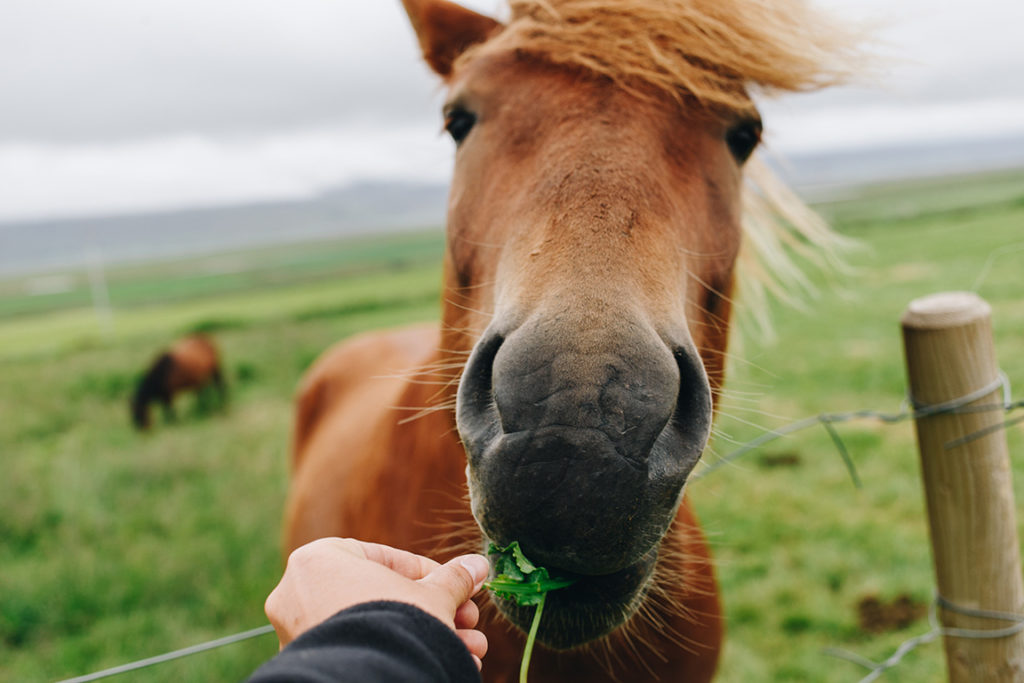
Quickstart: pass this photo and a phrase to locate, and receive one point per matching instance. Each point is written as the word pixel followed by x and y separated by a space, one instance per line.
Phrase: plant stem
pixel 525 666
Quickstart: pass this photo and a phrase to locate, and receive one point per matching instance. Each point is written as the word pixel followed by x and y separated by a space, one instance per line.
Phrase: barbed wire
pixel 959 405
pixel 827 420
pixel 937 630
pixel 177 654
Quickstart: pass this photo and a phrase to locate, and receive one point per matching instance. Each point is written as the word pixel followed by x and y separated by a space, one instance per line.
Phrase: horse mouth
pixel 589 609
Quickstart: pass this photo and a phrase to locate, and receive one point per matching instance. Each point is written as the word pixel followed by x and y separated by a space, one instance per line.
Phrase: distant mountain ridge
pixel 361 208
pixel 817 175
pixel 369 207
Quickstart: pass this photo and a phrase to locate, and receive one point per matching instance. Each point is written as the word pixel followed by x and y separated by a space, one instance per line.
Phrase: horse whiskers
pixel 647 621
pixel 478 285
pixel 439 364
pixel 736 358
pixel 474 243
pixel 444 405
pixel 733 392
pixel 423 412
pixel 712 452
pixel 459 500
pixel 440 381
pixel 442 397
pixel 465 330
pixel 746 404
pixel 450 544
pixel 761 428
pixel 754 411
pixel 455 352
pixel 704 255
pixel 709 320
pixel 730 395
pixel 460 534
pixel 627 638
pixel 468 309
pixel 433 368
pixel 469 331
pixel 603 648
pixel 717 292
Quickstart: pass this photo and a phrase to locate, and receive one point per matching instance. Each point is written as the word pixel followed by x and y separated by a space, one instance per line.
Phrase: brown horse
pixel 190 364
pixel 595 218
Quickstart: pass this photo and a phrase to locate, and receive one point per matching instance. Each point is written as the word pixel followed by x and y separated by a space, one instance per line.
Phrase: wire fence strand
pixel 177 654
pixel 937 631
pixel 828 421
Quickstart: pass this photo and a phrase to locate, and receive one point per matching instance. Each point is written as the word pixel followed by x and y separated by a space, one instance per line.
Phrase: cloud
pixel 43 181
pixel 108 70
pixel 122 69
pixel 838 128
pixel 120 105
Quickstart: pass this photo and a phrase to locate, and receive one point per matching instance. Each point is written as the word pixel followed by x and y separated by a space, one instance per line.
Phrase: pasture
pixel 115 546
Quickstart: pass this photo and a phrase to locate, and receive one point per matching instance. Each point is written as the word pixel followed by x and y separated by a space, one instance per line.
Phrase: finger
pixel 479 664
pixel 407 564
pixel 467 615
pixel 475 641
pixel 459 579
pixel 349 546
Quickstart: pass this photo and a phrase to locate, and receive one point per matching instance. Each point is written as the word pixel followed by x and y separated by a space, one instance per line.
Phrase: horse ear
pixel 445 30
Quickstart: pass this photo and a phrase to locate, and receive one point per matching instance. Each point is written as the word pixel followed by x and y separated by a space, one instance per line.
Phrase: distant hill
pixel 381 206
pixel 355 209
pixel 820 176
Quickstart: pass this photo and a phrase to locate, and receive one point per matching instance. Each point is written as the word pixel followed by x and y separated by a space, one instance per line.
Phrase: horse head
pixel 594 223
pixel 152 386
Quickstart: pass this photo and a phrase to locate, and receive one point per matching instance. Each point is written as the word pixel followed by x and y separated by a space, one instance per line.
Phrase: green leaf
pixel 522 582
pixel 524 564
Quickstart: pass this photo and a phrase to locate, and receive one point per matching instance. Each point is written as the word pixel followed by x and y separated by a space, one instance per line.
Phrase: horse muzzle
pixel 579 444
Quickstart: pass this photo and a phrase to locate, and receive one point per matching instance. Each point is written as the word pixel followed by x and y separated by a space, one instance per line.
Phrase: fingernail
pixel 478 567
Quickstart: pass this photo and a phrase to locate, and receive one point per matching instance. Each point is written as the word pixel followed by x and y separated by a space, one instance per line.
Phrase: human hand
pixel 330 574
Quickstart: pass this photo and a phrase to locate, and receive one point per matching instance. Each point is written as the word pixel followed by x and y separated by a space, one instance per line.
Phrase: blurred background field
pixel 116 546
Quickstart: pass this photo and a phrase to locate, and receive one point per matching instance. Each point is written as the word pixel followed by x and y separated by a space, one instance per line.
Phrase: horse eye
pixel 743 138
pixel 458 123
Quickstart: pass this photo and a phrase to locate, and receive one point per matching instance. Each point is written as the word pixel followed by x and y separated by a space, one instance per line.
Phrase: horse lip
pixel 646 561
pixel 589 609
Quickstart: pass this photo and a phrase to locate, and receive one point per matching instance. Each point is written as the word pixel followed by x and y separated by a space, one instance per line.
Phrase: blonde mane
pixel 714 52
pixel 711 50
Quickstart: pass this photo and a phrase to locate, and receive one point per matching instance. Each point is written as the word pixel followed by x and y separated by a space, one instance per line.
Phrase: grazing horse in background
pixel 191 364
pixel 600 202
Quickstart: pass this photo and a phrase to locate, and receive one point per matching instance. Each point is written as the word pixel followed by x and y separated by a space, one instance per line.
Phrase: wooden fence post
pixel 968 487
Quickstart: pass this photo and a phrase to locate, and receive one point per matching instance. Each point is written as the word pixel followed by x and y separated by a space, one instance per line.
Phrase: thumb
pixel 459 578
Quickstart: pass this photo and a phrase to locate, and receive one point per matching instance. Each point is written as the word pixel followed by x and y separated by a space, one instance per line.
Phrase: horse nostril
pixel 476 414
pixel 691 419
pixel 694 399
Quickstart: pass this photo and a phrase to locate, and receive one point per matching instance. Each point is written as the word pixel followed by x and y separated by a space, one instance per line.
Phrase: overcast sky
pixel 109 106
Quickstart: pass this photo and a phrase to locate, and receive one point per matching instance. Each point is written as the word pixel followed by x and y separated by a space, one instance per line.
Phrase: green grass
pixel 116 546
pixel 222 273
pixel 797 547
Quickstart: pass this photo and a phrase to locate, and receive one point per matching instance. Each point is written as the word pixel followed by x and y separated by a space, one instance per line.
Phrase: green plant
pixel 519 580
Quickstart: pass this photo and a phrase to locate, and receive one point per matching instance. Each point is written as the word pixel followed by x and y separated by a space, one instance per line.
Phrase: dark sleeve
pixel 376 641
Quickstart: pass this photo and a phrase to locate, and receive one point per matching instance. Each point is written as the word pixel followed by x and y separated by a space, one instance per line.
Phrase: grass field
pixel 116 546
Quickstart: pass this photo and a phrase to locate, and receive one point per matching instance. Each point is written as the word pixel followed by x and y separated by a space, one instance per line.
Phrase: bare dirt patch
pixel 878 616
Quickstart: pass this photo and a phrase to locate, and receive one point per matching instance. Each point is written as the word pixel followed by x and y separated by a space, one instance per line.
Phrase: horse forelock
pixel 709 50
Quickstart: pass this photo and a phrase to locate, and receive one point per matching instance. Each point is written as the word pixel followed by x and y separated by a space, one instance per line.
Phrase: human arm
pixel 421 612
